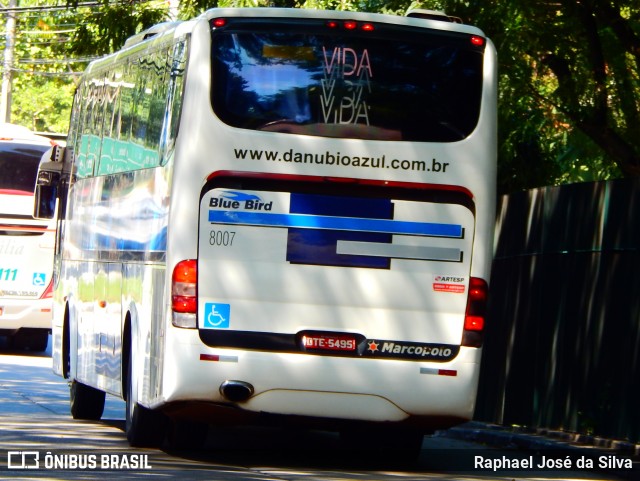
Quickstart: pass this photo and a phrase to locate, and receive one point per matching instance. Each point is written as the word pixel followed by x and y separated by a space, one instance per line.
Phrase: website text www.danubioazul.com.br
pixel 338 159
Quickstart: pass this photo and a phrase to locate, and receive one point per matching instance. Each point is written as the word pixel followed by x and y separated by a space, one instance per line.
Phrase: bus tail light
pixel 474 317
pixel 477 41
pixel 184 301
pixel 48 292
pixel 351 25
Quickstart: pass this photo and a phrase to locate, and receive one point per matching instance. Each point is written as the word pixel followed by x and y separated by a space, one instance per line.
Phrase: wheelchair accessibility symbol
pixel 216 316
pixel 39 278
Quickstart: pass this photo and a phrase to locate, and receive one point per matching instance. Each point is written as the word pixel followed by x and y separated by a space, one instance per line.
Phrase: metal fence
pixel 563 338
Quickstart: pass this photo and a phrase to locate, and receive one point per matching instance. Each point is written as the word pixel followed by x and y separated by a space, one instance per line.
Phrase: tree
pixel 106 28
pixel 570 87
pixel 569 101
pixel 53 46
pixel 42 87
pixel 596 74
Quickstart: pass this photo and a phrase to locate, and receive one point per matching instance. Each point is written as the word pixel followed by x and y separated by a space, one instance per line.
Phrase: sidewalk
pixel 530 439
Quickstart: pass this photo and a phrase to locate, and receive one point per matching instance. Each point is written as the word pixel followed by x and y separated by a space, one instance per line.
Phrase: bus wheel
pixel 144 427
pixel 86 402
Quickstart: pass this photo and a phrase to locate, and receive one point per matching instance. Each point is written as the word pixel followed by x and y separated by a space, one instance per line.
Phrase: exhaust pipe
pixel 236 391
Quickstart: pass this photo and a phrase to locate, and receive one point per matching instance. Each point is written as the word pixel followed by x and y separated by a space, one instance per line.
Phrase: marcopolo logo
pixel 411 350
pixel 232 200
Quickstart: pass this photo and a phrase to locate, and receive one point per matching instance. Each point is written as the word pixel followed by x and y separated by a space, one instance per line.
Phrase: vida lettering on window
pixel 347 73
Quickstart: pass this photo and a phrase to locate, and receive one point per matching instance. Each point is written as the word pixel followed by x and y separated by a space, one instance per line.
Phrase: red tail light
pixel 183 287
pixel 48 292
pixel 475 314
pixel 477 41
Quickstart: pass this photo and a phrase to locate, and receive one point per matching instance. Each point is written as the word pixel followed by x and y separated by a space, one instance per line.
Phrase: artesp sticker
pixel 452 284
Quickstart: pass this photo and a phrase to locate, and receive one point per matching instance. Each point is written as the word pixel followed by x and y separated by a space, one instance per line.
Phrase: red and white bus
pixel 26 244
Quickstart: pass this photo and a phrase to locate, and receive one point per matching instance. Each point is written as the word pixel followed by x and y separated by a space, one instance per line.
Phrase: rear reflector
pixel 217 358
pixel 438 372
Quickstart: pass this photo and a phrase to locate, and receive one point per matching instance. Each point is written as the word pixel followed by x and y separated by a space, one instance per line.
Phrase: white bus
pixel 26 244
pixel 279 213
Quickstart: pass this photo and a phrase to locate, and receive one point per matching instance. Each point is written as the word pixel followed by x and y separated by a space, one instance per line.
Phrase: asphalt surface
pixel 559 442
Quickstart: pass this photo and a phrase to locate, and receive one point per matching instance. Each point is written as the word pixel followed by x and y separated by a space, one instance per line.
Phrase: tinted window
pixel 126 118
pixel 389 84
pixel 19 165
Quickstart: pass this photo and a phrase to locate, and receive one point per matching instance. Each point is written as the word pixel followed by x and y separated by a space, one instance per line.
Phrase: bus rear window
pixel 399 84
pixel 19 165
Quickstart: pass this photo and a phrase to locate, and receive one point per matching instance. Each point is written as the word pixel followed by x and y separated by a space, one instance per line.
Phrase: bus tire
pixel 86 402
pixel 144 427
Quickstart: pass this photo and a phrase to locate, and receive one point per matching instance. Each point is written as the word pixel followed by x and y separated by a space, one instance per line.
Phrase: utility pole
pixel 5 94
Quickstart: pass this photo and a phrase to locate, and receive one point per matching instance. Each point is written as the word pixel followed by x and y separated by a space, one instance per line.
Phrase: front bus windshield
pixel 385 83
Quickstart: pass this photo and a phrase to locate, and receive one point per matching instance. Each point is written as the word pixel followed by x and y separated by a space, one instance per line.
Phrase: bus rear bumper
pixel 17 313
pixel 435 395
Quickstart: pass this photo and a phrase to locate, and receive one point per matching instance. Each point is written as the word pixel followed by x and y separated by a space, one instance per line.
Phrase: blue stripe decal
pixel 351 224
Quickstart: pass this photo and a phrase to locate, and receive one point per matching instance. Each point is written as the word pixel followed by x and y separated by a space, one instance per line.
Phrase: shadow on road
pixel 7 349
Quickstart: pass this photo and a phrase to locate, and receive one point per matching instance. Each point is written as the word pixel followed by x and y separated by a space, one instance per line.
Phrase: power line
pixel 53 8
pixel 47 61
pixel 45 74
pixel 45 27
pixel 45 32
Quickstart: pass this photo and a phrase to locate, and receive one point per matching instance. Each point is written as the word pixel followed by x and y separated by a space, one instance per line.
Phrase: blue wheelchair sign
pixel 216 316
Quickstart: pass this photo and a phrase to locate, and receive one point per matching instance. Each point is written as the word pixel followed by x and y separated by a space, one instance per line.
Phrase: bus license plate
pixel 329 342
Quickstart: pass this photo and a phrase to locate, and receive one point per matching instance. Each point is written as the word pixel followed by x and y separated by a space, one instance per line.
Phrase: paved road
pixel 35 428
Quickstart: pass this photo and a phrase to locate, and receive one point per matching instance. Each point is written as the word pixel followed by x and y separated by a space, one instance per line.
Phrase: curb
pixel 546 439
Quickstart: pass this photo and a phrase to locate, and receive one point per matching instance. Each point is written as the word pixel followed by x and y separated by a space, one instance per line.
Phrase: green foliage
pixel 54 46
pixel 105 29
pixel 42 90
pixel 569 100
pixel 43 106
pixel 574 67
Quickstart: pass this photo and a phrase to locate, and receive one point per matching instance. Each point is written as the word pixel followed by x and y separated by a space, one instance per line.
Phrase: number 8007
pixel 221 238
